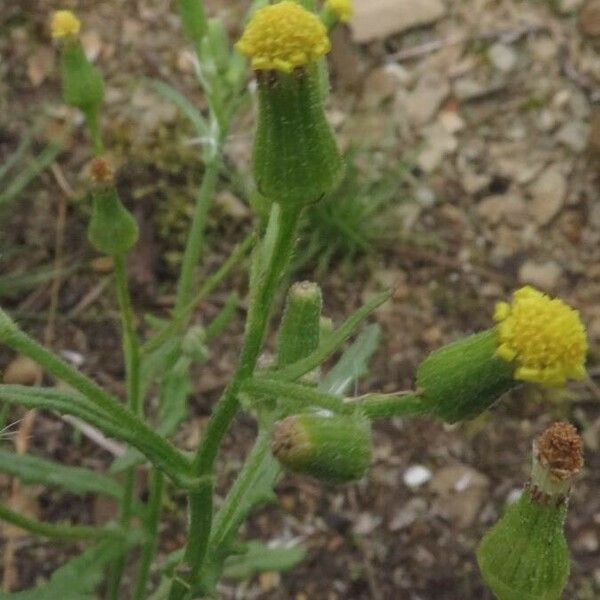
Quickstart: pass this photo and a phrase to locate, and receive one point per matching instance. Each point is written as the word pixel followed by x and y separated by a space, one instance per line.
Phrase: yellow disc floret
pixel 544 337
pixel 342 9
pixel 282 37
pixel 64 23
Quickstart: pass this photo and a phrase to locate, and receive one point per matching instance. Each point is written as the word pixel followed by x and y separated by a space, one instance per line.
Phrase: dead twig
pixel 96 436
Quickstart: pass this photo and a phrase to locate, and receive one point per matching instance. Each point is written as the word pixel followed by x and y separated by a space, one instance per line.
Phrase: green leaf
pixel 164 587
pixel 132 458
pixel 31 171
pixel 12 285
pixel 159 361
pixel 175 388
pixel 64 403
pixel 223 318
pixel 76 580
pixel 173 95
pixel 332 342
pixel 35 470
pixel 260 558
pixel 253 487
pixel 354 363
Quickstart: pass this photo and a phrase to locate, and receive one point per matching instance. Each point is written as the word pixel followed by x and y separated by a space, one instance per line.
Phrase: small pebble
pixel 416 476
pixel 22 371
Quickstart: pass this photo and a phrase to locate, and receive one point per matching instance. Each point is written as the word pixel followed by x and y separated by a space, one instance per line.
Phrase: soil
pixel 493 107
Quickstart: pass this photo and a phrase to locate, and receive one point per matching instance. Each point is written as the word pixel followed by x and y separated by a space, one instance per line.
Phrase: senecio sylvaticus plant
pixel 305 422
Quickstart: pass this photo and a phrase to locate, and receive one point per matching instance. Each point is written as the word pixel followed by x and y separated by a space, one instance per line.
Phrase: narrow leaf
pixel 331 343
pixel 260 558
pixel 35 470
pixel 173 95
pixel 353 364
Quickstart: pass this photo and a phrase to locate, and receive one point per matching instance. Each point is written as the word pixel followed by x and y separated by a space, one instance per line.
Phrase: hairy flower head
pixel 342 9
pixel 283 36
pixel 64 24
pixel 543 336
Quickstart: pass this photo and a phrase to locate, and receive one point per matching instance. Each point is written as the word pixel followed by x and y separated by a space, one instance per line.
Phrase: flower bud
pixel 537 339
pixel 300 328
pixel 328 447
pixel 525 555
pixel 296 158
pixel 112 229
pixel 82 83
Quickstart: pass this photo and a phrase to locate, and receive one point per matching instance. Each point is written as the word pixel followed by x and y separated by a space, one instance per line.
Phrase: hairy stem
pixel 143 437
pixel 274 262
pixel 386 406
pixel 132 366
pixel 180 320
pixel 193 248
pixel 151 523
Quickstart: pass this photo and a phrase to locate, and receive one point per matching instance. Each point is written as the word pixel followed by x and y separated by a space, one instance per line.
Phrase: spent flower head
pixel 64 24
pixel 342 9
pixel 542 336
pixel 557 460
pixel 282 37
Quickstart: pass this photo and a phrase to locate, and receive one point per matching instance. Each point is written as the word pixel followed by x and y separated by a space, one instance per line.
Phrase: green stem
pixel 151 524
pixel 273 265
pixel 293 393
pixel 386 406
pixel 180 320
pixel 193 248
pixel 132 368
pixel 53 531
pixel 331 343
pixel 151 443
pixel 93 124
pixel 131 350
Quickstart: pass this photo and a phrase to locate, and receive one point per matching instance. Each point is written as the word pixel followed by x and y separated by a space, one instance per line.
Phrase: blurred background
pixel 472 134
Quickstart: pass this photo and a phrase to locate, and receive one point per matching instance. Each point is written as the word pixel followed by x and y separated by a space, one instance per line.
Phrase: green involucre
pixel 296 158
pixel 328 447
pixel 463 379
pixel 112 229
pixel 525 555
pixel 82 83
pixel 299 331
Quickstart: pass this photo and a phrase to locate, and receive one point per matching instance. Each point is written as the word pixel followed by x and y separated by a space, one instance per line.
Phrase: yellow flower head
pixel 342 9
pixel 64 24
pixel 543 336
pixel 283 36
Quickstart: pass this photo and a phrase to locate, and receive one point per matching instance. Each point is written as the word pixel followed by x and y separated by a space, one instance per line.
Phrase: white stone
pixel 543 275
pixel 425 100
pixel 574 135
pixel 451 121
pixel 548 191
pixel 503 57
pixel 416 476
pixel 378 19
